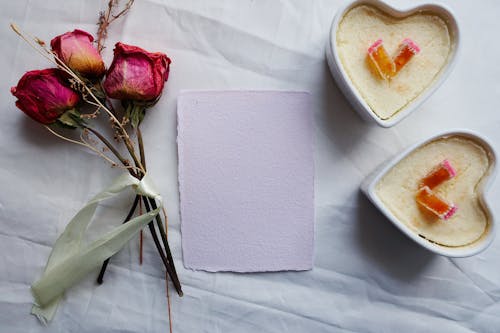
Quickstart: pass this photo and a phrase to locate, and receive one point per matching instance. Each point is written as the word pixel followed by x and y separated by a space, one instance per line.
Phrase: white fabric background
pixel 367 276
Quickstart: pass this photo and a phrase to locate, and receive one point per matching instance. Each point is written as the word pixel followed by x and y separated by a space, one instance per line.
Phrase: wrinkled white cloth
pixel 367 276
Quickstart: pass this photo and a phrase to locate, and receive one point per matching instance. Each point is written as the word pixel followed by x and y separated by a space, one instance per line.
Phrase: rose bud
pixel 76 50
pixel 135 74
pixel 44 95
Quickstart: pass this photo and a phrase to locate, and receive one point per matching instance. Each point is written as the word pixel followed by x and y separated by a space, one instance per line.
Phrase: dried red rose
pixel 44 95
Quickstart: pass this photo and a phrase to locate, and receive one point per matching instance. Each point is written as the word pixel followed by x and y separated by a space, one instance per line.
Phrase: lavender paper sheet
pixel 246 176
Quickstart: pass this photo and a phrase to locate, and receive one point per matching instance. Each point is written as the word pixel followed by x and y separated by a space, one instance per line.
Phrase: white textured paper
pixel 367 276
pixel 246 178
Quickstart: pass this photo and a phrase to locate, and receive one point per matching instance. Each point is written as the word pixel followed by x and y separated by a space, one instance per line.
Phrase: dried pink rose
pixel 135 74
pixel 76 50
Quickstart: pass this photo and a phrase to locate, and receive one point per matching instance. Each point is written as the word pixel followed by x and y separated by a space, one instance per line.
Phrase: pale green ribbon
pixel 70 260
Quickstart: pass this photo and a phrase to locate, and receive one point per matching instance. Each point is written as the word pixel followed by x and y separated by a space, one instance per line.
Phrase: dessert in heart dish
pixel 386 61
pixel 434 193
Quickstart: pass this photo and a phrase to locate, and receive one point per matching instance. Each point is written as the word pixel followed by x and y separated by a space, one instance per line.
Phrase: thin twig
pixel 86 145
pixel 94 104
pixel 106 18
pixel 91 115
pixel 108 144
pixel 37 46
pixel 16 29
pixel 97 151
pixel 65 138
pixel 125 164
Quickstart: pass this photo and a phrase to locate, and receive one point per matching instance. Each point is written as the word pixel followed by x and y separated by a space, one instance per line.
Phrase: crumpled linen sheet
pixel 367 276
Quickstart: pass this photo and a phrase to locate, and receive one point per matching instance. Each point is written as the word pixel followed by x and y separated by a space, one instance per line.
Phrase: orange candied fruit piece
pixel 442 172
pixel 380 61
pixel 407 50
pixel 435 204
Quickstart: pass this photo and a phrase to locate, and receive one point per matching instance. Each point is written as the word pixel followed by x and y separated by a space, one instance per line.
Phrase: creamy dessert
pixel 471 161
pixel 363 25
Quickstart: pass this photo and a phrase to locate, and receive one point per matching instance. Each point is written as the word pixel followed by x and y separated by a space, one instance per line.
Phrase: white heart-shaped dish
pixel 369 187
pixel 350 89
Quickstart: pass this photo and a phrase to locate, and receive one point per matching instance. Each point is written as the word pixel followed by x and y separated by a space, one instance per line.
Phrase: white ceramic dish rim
pixel 368 187
pixel 350 89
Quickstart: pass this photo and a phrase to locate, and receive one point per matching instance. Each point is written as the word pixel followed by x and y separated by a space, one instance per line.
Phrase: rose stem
pixel 163 258
pixel 129 216
pixel 131 151
pixel 151 225
pixel 167 248
pixel 164 239
pixel 110 146
pixel 171 271
pixel 141 147
pixel 170 268
pixel 143 160
pixel 159 222
pixel 141 237
pixel 166 277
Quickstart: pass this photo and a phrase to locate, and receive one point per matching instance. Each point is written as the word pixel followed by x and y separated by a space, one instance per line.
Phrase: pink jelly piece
pixel 411 45
pixel 451 212
pixel 375 45
pixel 449 168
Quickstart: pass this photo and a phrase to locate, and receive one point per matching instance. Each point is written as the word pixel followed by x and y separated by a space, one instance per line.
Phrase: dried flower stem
pixel 113 149
pixel 167 260
pixel 166 275
pixel 92 115
pixel 94 104
pixel 141 146
pixel 89 146
pixel 106 18
pixel 170 268
pixel 134 171
pixel 96 150
pixel 159 222
pixel 108 144
pixel 16 29
pixel 147 201
pixel 65 138
pixel 143 160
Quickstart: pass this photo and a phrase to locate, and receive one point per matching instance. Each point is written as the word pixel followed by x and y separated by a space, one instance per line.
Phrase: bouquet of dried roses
pixel 76 94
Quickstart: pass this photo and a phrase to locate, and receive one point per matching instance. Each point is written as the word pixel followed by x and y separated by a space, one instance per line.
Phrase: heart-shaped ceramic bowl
pixel 369 188
pixel 349 89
